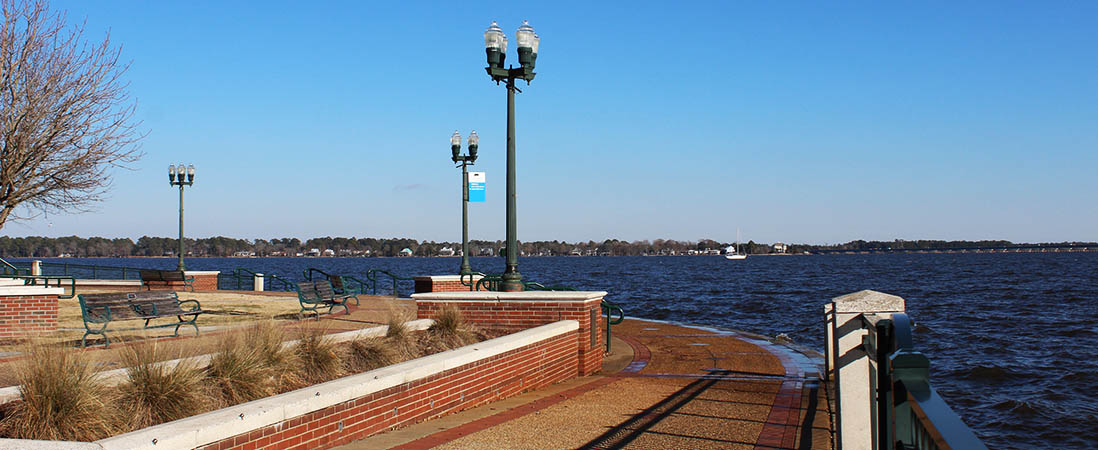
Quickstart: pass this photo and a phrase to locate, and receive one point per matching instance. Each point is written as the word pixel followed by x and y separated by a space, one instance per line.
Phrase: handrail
pixel 308 273
pixel 284 284
pixel 32 280
pixel 910 413
pixel 14 270
pixel 95 269
pixel 372 275
pixel 609 308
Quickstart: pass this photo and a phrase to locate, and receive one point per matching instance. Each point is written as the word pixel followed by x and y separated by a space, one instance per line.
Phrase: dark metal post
pixel 466 268
pixel 181 268
pixel 512 279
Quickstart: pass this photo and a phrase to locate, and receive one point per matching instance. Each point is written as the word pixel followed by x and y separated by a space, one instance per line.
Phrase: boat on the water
pixel 732 252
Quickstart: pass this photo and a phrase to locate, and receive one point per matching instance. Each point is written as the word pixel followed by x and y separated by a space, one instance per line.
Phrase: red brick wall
pixel 27 315
pixel 201 283
pixel 536 365
pixel 427 285
pixel 514 316
pixel 205 282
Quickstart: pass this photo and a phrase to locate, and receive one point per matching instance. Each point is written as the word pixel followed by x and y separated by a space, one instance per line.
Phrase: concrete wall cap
pixel 92 282
pixel 27 444
pixel 527 296
pixel 868 301
pixel 12 291
pixel 445 278
pixel 201 272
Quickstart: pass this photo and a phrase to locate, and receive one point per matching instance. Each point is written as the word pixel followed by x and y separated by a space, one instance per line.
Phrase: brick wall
pixel 536 365
pixel 202 282
pixel 27 315
pixel 515 315
pixel 442 283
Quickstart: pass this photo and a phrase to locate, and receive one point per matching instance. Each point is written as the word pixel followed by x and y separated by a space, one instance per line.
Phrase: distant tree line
pixel 220 246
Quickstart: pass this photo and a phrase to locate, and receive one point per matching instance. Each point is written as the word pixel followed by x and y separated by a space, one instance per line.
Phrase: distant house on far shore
pixel 313 252
pixel 780 247
pixel 406 252
pixel 446 251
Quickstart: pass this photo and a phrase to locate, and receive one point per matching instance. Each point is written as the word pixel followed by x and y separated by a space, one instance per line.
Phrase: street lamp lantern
pixel 181 176
pixel 464 161
pixel 525 39
pixel 495 44
pixel 455 146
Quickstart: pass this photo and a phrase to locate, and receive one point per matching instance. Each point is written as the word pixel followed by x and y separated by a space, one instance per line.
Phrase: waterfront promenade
pixel 663 386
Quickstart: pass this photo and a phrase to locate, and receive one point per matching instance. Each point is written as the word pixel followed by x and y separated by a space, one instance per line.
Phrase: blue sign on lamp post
pixel 476 186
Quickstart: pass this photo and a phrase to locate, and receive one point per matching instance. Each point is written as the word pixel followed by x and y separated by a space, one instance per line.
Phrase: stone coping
pixel 108 282
pixel 201 272
pixel 115 376
pixel 214 426
pixel 443 277
pixel 493 296
pixel 12 291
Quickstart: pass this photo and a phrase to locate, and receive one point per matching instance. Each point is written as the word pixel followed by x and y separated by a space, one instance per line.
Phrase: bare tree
pixel 66 118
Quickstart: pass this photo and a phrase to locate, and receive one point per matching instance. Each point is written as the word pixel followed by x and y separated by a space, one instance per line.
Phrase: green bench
pixel 103 309
pixel 166 278
pixel 314 295
pixel 343 287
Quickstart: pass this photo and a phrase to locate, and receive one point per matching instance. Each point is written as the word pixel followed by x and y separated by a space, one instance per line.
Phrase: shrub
pixel 450 330
pixel 63 398
pixel 267 339
pixel 158 392
pixel 399 337
pixel 318 356
pixel 369 354
pixel 238 371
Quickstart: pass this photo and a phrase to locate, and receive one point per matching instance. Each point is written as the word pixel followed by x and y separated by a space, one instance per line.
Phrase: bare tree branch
pixel 66 118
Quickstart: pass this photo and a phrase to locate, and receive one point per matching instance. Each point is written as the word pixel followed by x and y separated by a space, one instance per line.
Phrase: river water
pixel 1011 336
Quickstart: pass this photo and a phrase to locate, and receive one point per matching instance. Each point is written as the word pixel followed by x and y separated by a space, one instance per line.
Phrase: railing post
pixel 36 268
pixel 852 368
pixel 257 282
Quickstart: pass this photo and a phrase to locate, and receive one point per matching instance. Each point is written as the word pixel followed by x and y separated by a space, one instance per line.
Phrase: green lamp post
pixel 495 45
pixel 463 161
pixel 183 176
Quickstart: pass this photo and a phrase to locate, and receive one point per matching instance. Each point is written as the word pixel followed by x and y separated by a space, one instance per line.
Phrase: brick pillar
pixel 204 280
pixel 516 311
pixel 443 283
pixel 26 312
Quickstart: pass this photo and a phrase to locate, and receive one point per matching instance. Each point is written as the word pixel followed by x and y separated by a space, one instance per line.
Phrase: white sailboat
pixel 732 252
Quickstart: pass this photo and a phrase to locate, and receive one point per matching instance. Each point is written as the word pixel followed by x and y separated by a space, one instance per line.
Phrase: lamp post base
pixel 512 282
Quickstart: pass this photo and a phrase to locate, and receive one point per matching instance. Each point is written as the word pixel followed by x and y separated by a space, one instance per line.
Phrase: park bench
pixel 166 278
pixel 342 287
pixel 112 307
pixel 314 295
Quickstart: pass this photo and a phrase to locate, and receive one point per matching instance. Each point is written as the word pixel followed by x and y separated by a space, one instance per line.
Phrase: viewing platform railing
pixel 373 275
pixel 884 399
pixel 241 279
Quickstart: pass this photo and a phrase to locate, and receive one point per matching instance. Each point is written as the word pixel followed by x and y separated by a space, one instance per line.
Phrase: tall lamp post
pixel 464 161
pixel 183 176
pixel 495 45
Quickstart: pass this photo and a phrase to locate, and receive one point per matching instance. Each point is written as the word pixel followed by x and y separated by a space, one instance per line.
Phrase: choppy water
pixel 1011 337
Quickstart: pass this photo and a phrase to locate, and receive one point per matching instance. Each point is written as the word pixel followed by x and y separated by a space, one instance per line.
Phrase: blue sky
pixel 792 121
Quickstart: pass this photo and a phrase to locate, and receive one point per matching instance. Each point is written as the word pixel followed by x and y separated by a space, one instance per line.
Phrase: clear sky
pixel 806 122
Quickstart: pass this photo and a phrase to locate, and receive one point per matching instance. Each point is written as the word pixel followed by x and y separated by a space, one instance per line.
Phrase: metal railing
pixel 44 281
pixel 372 276
pixel 910 414
pixel 241 279
pixel 10 269
pixel 90 271
pixel 609 308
